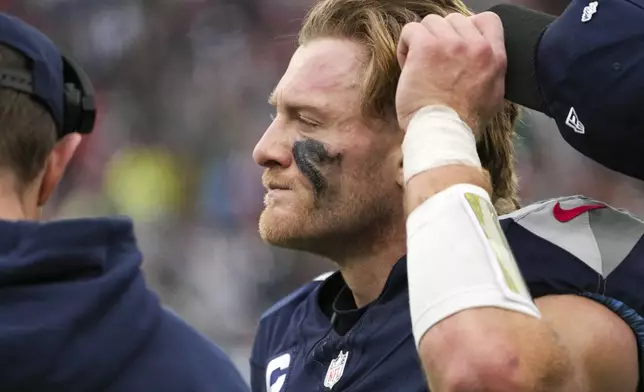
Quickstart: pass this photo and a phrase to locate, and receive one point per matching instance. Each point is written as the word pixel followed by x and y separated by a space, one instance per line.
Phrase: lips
pixel 277 187
pixel 276 193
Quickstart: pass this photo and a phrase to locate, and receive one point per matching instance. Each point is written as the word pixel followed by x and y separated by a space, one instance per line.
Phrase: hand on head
pixel 455 61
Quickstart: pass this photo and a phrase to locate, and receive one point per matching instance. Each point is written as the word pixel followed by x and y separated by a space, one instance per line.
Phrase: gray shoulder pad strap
pixel 599 235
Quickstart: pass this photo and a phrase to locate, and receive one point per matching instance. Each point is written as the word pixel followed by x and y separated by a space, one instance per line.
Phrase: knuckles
pixel 438 43
pixel 431 18
pixel 481 50
pixel 501 60
pixel 457 47
pixel 455 16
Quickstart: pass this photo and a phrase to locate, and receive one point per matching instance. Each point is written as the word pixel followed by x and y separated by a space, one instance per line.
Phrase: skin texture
pixel 340 172
pixel 27 204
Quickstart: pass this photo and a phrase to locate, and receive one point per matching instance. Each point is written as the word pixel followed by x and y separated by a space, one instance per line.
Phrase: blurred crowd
pixel 181 89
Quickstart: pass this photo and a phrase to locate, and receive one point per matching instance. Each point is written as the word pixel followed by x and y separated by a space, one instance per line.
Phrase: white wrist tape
pixel 436 136
pixel 458 258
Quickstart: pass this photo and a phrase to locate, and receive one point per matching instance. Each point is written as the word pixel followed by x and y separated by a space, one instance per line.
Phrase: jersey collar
pixel 334 296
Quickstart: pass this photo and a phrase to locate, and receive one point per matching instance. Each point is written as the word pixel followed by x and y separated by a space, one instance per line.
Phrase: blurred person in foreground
pixel 428 294
pixel 76 313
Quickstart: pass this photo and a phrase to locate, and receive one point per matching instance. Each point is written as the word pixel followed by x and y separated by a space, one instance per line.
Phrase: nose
pixel 274 148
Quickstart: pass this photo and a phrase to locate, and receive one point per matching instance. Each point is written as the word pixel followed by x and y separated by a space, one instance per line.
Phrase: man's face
pixel 331 174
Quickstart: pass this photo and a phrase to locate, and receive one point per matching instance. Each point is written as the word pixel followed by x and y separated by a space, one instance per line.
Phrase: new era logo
pixel 573 122
pixel 589 11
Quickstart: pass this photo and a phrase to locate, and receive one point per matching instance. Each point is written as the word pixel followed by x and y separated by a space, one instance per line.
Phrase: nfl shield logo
pixel 336 368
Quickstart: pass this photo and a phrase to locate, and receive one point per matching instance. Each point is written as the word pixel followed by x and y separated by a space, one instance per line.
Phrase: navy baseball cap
pixel 585 69
pixel 47 70
pixel 54 79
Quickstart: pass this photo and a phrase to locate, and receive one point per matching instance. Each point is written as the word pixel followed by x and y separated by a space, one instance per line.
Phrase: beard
pixel 331 222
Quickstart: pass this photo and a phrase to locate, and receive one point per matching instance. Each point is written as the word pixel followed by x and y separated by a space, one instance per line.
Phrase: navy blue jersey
pixel 77 317
pixel 316 340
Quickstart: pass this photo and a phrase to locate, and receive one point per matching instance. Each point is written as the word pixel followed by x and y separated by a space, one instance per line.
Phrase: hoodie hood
pixel 74 305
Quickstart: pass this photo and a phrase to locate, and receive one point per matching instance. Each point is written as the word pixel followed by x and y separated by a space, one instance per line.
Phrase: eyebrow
pixel 296 107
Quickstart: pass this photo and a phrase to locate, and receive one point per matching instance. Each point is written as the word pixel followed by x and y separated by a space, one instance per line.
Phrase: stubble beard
pixel 327 229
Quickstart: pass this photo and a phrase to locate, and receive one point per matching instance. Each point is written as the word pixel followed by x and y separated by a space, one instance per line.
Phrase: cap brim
pixel 523 29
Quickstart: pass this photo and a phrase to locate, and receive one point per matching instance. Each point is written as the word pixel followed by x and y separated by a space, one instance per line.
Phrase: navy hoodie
pixel 76 316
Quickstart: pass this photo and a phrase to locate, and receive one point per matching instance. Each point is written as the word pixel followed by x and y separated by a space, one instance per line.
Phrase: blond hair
pixel 376 25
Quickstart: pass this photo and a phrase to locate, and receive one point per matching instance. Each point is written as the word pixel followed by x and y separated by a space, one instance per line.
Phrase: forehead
pixel 323 73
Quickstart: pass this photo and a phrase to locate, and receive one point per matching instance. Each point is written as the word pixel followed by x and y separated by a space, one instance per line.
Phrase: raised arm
pixel 476 326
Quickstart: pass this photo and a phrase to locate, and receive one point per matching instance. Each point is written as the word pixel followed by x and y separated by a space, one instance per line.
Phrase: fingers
pixel 482 33
pixel 491 28
pixel 485 25
pixel 464 27
pixel 412 34
pixel 459 59
pixel 439 27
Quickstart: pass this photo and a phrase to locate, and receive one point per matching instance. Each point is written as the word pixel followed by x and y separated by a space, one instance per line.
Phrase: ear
pixel 56 164
pixel 394 153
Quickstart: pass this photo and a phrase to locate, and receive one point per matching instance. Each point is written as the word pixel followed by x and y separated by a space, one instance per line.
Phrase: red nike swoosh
pixel 567 215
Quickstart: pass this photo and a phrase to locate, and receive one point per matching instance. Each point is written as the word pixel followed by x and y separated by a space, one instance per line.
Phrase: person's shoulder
pixel 283 315
pixel 204 359
pixel 187 336
pixel 178 357
pixel 287 305
pixel 577 245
